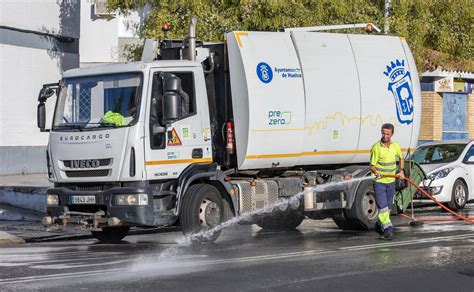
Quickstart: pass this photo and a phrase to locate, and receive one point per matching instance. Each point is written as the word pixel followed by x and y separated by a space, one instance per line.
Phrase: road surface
pixel 316 257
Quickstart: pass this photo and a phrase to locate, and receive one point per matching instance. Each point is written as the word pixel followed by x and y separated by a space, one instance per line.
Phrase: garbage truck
pixel 202 132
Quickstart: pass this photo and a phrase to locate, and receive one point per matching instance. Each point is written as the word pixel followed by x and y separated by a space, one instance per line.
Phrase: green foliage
pixel 428 25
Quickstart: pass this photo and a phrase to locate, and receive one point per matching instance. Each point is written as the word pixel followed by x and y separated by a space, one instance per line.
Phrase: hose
pixel 459 216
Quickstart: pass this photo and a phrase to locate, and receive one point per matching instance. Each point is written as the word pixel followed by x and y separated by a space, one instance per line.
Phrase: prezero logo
pixel 264 72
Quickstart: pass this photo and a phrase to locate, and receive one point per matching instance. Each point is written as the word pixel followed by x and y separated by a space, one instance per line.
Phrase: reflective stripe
pixel 383 210
pixel 386 170
pixel 387 163
pixel 384 217
pixel 385 226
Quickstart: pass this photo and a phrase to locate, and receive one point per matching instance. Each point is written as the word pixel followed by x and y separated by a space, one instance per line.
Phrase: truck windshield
pixel 442 153
pixel 98 101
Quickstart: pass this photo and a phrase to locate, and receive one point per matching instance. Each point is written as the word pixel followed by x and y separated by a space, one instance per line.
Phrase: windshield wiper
pixel 104 125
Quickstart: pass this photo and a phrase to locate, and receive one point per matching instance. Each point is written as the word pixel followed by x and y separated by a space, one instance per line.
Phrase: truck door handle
pixel 197 153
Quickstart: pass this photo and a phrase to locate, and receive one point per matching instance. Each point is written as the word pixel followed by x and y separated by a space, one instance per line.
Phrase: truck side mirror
pixel 46 92
pixel 157 129
pixel 41 117
pixel 171 99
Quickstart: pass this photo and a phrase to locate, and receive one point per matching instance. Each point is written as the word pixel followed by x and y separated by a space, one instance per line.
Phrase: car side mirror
pixel 471 159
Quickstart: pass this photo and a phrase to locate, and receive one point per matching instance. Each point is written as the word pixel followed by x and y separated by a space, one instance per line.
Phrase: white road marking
pixel 73 266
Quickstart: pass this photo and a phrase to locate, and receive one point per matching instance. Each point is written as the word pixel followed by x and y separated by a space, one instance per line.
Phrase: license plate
pixel 82 199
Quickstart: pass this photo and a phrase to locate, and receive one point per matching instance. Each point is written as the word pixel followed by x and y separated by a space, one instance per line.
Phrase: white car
pixel 450 168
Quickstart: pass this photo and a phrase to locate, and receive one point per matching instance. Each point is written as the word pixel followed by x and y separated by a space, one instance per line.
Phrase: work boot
pixel 388 233
pixel 378 228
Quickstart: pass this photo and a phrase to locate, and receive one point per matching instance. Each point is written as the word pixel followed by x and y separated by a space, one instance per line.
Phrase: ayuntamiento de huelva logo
pixel 264 72
pixel 401 86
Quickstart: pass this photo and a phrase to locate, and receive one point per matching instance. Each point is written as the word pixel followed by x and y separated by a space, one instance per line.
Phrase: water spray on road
pixel 282 203
pixel 173 259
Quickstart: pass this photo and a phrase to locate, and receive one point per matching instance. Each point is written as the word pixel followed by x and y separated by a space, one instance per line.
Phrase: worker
pixel 383 157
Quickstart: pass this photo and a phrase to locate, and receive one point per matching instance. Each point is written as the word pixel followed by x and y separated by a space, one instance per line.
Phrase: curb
pixel 7 239
pixel 89 236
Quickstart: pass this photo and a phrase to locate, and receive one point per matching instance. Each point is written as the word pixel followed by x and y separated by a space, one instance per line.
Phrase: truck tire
pixel 202 210
pixel 364 212
pixel 459 195
pixel 281 220
pixel 111 234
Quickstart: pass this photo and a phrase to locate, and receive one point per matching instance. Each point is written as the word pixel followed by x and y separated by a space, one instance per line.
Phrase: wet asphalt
pixel 316 257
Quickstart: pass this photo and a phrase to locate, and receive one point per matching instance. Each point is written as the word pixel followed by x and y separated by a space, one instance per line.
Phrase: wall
pixel 103 37
pixel 98 36
pixel 431 116
pixel 470 115
pixel 31 54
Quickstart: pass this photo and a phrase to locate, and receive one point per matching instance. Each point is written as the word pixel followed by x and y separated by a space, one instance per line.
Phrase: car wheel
pixel 458 195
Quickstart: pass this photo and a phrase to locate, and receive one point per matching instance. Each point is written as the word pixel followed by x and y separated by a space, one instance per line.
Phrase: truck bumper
pixel 99 209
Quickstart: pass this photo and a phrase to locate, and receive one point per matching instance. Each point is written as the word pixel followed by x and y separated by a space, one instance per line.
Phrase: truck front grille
pixel 88 173
pixel 87 208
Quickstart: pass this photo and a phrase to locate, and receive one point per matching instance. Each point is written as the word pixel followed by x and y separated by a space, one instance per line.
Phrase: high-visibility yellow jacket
pixel 385 159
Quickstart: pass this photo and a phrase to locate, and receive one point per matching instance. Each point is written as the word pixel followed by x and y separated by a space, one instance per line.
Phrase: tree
pixel 438 31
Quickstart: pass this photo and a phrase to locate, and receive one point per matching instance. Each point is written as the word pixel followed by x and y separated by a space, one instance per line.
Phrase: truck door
pixel 170 147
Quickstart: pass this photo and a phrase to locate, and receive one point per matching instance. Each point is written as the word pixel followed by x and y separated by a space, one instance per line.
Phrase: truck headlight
pixel 131 199
pixel 52 200
pixel 440 173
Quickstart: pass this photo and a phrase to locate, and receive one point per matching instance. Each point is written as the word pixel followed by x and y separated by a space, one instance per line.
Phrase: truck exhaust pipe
pixel 191 54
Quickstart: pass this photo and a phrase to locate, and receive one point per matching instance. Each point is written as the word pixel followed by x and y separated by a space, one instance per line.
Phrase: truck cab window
pixel 156 113
pixel 188 105
pixel 187 93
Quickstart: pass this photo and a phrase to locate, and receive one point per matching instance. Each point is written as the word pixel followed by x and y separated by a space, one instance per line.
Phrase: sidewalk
pixel 26 180
pixel 23 197
pixel 22 205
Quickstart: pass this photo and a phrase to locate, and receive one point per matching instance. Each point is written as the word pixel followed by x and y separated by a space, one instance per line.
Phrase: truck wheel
pixel 364 212
pixel 458 195
pixel 202 210
pixel 281 220
pixel 111 234
pixel 345 223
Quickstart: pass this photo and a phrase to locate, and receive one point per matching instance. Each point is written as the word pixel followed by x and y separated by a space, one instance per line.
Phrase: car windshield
pixel 442 153
pixel 98 101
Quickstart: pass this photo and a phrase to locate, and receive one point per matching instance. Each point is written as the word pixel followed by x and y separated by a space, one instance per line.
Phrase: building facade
pixel 105 35
pixel 38 40
pixel 447 106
